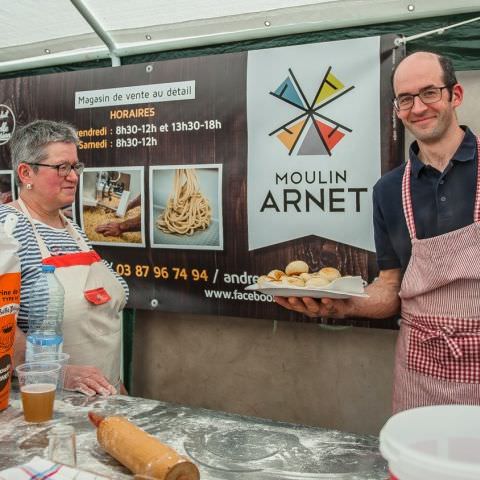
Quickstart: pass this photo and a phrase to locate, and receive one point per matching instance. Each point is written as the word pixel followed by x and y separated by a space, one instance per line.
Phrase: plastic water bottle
pixel 45 315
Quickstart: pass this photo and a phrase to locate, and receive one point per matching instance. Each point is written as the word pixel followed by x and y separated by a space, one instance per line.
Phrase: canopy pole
pixel 404 40
pixel 99 30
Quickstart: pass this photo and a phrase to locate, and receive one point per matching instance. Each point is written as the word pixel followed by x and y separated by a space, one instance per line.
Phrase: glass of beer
pixel 38 382
pixel 62 358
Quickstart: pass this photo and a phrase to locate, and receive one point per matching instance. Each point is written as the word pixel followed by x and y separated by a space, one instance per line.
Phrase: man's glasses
pixel 63 169
pixel 426 95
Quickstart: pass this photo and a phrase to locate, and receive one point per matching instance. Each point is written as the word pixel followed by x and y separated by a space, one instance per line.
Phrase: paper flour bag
pixel 9 303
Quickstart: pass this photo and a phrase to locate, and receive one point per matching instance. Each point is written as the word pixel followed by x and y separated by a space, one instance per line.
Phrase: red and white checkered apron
pixel 438 348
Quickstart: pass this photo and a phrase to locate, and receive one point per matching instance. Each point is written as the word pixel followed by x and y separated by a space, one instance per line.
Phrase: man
pixel 427 235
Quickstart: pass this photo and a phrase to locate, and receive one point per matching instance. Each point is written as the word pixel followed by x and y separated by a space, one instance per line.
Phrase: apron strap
pixel 447 333
pixel 476 211
pixel 407 201
pixel 44 252
pixel 407 197
pixel 82 244
pixel 41 244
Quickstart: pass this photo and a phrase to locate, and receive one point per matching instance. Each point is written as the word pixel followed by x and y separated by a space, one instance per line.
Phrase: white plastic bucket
pixel 433 443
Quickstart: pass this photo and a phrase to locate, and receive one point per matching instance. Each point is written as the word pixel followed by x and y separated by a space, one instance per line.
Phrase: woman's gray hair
pixel 28 143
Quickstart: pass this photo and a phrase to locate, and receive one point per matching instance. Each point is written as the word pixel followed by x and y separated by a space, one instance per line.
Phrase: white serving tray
pixel 344 287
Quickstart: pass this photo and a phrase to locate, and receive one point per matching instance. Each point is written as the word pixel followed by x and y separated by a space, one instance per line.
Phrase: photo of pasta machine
pixel 107 188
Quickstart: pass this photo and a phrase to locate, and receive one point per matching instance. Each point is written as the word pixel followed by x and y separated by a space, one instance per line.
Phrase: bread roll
pixel 330 273
pixel 317 281
pixel 296 268
pixel 262 280
pixel 140 452
pixel 276 274
pixel 305 276
pixel 295 281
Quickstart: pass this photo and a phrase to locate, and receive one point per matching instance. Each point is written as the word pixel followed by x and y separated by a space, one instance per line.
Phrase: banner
pixel 314 145
pixel 204 173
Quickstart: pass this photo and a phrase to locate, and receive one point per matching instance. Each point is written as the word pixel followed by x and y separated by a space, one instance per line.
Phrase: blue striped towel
pixel 41 469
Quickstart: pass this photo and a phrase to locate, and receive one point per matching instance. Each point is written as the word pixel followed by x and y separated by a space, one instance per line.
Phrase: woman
pixel 46 166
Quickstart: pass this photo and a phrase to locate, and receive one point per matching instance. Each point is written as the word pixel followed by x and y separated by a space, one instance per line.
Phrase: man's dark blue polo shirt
pixel 442 202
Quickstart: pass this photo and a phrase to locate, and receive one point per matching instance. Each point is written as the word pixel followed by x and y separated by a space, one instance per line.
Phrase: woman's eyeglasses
pixel 63 169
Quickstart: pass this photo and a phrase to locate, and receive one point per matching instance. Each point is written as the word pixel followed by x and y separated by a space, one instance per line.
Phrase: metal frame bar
pixel 97 27
pixel 440 31
pixel 248 26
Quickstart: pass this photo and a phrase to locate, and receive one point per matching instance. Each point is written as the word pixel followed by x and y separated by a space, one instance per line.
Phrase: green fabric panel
pixel 57 69
pixel 128 334
pixel 461 44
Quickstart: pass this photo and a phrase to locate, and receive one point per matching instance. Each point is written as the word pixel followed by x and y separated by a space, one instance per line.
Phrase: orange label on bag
pixel 9 307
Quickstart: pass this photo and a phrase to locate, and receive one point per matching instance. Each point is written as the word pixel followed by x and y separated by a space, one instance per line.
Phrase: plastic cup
pixel 61 358
pixel 62 445
pixel 38 383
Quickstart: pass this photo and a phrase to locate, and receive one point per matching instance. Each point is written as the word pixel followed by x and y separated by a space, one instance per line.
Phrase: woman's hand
pixel 87 380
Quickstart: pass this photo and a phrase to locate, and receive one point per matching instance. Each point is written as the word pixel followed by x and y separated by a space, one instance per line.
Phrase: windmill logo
pixel 322 133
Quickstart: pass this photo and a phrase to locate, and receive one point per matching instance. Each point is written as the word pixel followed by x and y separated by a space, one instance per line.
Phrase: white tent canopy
pixel 37 33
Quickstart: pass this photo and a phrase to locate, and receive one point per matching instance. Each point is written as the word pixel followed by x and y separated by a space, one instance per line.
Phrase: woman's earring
pixel 29 186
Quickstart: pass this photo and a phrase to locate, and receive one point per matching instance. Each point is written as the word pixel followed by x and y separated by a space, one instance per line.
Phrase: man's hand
pixel 382 300
pixel 110 229
pixel 326 307
pixel 87 380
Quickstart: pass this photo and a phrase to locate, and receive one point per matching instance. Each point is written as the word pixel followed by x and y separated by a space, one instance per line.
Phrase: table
pixel 224 446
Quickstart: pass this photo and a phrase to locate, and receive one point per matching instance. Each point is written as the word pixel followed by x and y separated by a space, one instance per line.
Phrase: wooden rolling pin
pixel 140 452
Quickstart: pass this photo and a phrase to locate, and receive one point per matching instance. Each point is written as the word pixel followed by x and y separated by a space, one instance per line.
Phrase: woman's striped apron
pixel 438 348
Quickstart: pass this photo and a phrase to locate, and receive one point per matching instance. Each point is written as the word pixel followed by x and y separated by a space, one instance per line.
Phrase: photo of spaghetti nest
pixel 187 209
